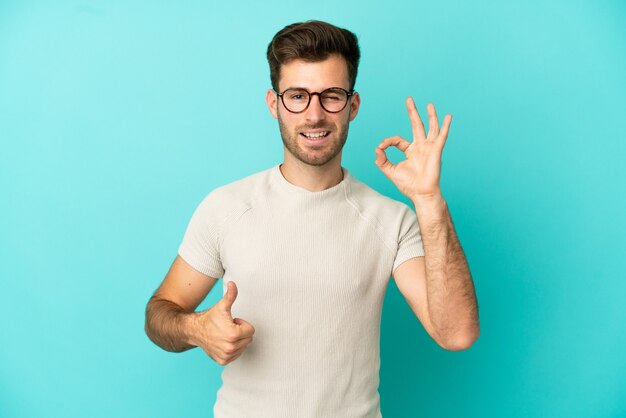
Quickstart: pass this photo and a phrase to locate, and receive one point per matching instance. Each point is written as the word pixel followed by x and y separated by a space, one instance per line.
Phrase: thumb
pixel 383 163
pixel 229 298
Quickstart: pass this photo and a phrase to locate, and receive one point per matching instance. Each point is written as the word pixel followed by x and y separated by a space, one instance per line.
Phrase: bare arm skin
pixel 164 325
pixel 172 305
pixel 172 324
pixel 439 286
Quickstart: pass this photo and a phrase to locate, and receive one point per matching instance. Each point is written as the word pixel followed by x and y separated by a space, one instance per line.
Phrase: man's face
pixel 298 130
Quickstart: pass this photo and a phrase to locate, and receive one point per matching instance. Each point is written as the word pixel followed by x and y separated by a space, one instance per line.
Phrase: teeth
pixel 315 135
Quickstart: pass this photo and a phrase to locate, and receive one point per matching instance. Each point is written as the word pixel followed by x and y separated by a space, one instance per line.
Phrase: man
pixel 306 251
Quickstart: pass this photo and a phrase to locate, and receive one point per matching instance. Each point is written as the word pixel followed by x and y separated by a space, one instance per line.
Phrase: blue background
pixel 117 118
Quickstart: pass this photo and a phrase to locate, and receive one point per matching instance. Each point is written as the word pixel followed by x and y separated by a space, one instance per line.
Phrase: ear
pixel 272 102
pixel 355 103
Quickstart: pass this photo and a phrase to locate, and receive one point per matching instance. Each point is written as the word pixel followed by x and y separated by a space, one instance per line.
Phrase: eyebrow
pixel 304 88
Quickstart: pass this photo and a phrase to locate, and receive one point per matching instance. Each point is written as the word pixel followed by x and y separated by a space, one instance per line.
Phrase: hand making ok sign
pixel 417 176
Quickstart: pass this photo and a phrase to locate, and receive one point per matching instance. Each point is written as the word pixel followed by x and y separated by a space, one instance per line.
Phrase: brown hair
pixel 312 41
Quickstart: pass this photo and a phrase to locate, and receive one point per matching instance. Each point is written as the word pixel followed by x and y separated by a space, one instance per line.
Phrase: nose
pixel 315 112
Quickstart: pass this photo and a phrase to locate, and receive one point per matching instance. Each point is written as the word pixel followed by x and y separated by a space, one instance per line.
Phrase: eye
pixel 334 95
pixel 297 95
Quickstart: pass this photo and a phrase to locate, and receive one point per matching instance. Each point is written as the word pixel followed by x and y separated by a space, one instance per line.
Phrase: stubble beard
pixel 291 141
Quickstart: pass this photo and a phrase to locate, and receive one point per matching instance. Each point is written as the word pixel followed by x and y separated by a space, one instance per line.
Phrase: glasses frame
pixel 319 97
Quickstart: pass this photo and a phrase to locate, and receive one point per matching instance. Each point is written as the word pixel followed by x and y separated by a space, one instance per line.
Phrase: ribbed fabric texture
pixel 312 269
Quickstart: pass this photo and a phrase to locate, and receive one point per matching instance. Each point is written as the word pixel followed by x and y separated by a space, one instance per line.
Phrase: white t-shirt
pixel 311 270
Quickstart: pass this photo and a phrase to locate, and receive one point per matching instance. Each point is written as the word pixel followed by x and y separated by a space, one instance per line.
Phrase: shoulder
pixel 244 188
pixel 391 219
pixel 371 203
pixel 235 197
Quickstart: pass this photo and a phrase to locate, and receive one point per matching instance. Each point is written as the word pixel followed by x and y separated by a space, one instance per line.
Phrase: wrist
pixel 433 203
pixel 188 325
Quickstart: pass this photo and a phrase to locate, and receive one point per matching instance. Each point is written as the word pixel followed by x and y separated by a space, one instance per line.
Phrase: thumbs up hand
pixel 221 336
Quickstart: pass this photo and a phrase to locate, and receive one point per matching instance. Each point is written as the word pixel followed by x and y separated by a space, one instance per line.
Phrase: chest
pixel 306 252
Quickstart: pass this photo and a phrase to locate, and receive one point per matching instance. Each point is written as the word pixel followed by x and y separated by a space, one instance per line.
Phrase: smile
pixel 315 135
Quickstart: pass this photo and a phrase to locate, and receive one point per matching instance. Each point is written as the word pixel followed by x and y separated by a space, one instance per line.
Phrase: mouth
pixel 315 136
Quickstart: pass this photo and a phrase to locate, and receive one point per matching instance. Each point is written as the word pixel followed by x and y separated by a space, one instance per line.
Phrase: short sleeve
pixel 409 239
pixel 200 244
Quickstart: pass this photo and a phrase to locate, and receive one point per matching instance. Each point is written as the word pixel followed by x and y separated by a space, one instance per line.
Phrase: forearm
pixel 451 296
pixel 168 325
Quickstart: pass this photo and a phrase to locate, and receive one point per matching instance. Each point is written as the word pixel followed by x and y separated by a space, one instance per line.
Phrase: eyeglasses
pixel 332 100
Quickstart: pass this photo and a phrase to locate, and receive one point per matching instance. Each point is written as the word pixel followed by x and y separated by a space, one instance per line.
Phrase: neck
pixel 310 177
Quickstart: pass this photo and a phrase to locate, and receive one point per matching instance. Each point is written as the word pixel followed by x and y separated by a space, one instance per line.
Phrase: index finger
pixel 416 121
pixel 245 328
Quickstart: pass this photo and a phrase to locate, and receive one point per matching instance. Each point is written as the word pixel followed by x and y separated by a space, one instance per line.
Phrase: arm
pixel 172 324
pixel 439 288
pixel 170 309
pixel 410 277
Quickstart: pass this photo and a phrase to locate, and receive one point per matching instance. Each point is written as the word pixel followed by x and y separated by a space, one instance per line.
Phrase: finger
pixel 242 344
pixel 383 163
pixel 245 328
pixel 235 354
pixel 235 358
pixel 416 122
pixel 433 122
pixel 228 299
pixel 447 120
pixel 395 141
pixel 232 348
pixel 220 359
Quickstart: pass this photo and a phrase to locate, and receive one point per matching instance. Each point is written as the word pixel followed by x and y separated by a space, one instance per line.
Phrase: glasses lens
pixel 334 100
pixel 295 100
